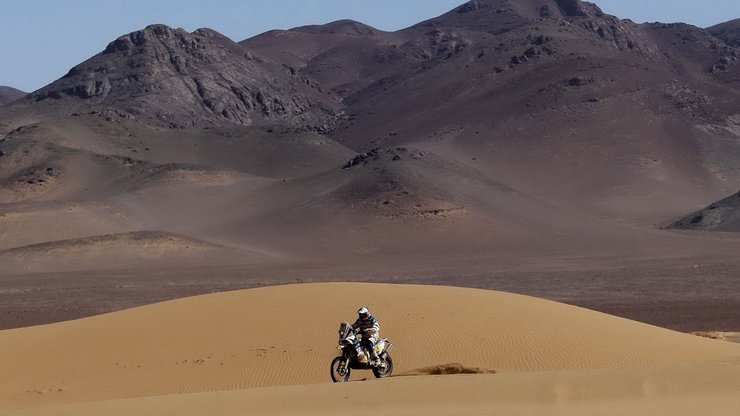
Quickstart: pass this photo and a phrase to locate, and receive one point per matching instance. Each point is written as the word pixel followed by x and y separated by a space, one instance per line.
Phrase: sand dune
pixel 285 335
pixel 655 391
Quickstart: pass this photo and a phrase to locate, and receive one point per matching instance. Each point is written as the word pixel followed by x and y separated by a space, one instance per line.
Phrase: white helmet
pixel 363 313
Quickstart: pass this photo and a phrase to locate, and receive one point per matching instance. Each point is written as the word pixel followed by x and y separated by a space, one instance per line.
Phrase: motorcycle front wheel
pixel 340 369
pixel 387 370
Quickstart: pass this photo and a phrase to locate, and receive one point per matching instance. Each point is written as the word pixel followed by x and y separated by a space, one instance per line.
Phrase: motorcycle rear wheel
pixel 340 370
pixel 379 372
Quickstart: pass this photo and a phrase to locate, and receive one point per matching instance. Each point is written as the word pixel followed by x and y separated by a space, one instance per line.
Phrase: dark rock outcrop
pixel 720 216
pixel 574 8
pixel 472 6
pixel 394 155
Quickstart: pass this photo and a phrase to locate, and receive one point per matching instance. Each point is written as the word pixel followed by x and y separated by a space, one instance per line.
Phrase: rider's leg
pixel 370 346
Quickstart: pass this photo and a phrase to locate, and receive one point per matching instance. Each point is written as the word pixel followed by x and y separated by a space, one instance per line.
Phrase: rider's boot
pixel 374 358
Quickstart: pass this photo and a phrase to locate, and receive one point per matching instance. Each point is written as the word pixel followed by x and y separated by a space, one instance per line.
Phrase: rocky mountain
pixel 532 94
pixel 494 42
pixel 172 77
pixel 10 94
pixel 512 84
pixel 729 32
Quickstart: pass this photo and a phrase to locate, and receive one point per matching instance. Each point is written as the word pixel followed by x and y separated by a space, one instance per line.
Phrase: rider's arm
pixel 375 329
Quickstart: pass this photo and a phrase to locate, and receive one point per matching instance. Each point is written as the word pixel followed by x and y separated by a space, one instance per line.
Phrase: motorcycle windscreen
pixel 344 330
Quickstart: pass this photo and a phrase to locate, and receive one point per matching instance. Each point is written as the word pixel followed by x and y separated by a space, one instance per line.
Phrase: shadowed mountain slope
pixel 10 94
pixel 729 32
pixel 343 56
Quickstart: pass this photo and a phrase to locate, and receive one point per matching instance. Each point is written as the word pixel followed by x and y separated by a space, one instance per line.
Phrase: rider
pixel 369 328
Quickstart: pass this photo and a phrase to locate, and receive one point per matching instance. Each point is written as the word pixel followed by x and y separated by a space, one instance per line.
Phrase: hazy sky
pixel 40 40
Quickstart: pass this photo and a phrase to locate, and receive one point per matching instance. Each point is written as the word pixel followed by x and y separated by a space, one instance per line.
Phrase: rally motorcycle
pixel 354 356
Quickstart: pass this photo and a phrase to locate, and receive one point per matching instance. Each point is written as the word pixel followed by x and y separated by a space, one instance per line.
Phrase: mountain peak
pixel 159 32
pixel 340 27
pixel 543 8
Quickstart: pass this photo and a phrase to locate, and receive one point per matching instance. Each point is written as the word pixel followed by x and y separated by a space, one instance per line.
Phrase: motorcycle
pixel 354 356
